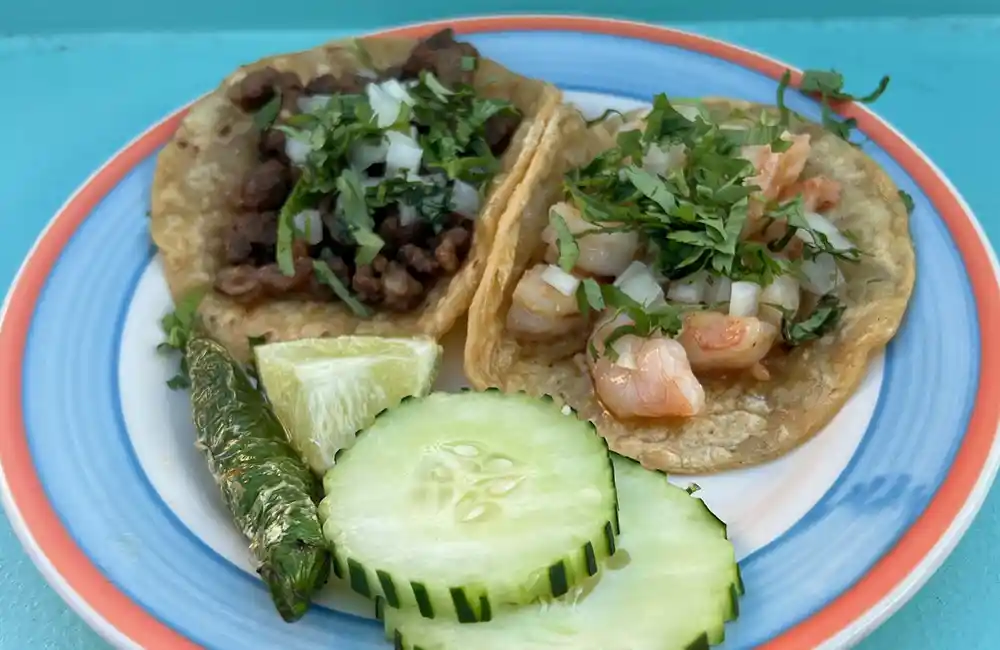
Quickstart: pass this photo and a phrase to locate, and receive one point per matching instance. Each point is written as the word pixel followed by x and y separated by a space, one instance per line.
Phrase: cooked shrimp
pixel 603 254
pixel 650 377
pixel 777 170
pixel 539 311
pixel 819 193
pixel 716 341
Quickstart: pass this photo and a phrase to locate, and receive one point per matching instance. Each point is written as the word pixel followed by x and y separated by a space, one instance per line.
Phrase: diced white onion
pixel 367 73
pixel 630 271
pixel 658 160
pixel 626 358
pixel 689 111
pixel 465 200
pixel 363 155
pixel 403 153
pixel 314 103
pixel 720 290
pixel 821 224
pixel 385 106
pixel 297 150
pixel 638 283
pixel 821 274
pixel 560 280
pixel 690 290
pixel 744 298
pixel 408 214
pixel 310 224
pixel 397 91
pixel 783 292
pixel 427 179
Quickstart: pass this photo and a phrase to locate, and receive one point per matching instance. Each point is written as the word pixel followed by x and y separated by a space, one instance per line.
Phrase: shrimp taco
pixel 354 187
pixel 705 281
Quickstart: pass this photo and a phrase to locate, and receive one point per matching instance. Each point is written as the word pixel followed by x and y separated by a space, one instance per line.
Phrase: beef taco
pixel 354 187
pixel 705 281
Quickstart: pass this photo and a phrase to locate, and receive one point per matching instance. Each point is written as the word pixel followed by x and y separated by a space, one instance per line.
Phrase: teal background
pixel 77 82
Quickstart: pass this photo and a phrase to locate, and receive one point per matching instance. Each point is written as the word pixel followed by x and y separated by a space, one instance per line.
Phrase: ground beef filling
pixel 414 257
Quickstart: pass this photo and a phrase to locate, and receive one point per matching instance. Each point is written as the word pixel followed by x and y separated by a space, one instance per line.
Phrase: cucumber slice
pixel 672 586
pixel 454 505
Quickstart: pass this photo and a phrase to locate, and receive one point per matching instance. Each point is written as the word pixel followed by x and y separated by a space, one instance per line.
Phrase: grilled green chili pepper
pixel 270 491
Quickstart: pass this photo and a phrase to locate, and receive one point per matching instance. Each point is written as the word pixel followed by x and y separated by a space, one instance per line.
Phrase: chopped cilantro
pixel 907 201
pixel 296 202
pixel 646 320
pixel 783 112
pixel 177 327
pixel 822 320
pixel 435 86
pixel 268 113
pixel 589 296
pixel 330 279
pixel 569 249
pixel 692 218
pixel 469 63
pixel 603 116
pixel 358 217
pixel 828 85
pixel 450 128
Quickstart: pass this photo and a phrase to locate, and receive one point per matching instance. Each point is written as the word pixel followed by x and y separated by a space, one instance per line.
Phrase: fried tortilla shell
pixel 745 422
pixel 200 172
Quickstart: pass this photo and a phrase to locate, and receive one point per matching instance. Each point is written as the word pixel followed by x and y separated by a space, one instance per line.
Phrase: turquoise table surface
pixel 69 102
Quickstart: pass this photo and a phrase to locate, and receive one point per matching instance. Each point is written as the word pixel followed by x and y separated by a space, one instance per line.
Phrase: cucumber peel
pixel 672 586
pixel 457 505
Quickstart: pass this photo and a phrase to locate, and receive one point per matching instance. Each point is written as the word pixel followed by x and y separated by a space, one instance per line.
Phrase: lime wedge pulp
pixel 326 390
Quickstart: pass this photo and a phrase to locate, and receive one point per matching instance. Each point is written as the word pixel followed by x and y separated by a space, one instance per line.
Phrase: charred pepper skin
pixel 269 490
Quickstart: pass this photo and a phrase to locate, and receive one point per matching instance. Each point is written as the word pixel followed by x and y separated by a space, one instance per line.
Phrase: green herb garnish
pixel 330 279
pixel 822 320
pixel 829 86
pixel 469 63
pixel 451 131
pixel 569 249
pixel 297 201
pixel 783 111
pixel 589 296
pixel 603 116
pixel 907 201
pixel 177 327
pixel 268 113
pixel 646 320
pixel 358 217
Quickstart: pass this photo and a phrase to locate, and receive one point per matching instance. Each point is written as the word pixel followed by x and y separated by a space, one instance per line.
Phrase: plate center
pixel 758 504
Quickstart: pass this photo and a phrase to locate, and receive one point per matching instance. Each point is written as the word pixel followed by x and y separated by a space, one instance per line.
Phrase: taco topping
pixel 693 246
pixel 368 184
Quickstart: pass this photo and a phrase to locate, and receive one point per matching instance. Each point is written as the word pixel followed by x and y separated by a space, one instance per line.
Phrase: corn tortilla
pixel 745 422
pixel 200 171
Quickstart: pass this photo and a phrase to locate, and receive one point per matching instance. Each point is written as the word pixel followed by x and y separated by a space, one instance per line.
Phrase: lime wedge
pixel 326 390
